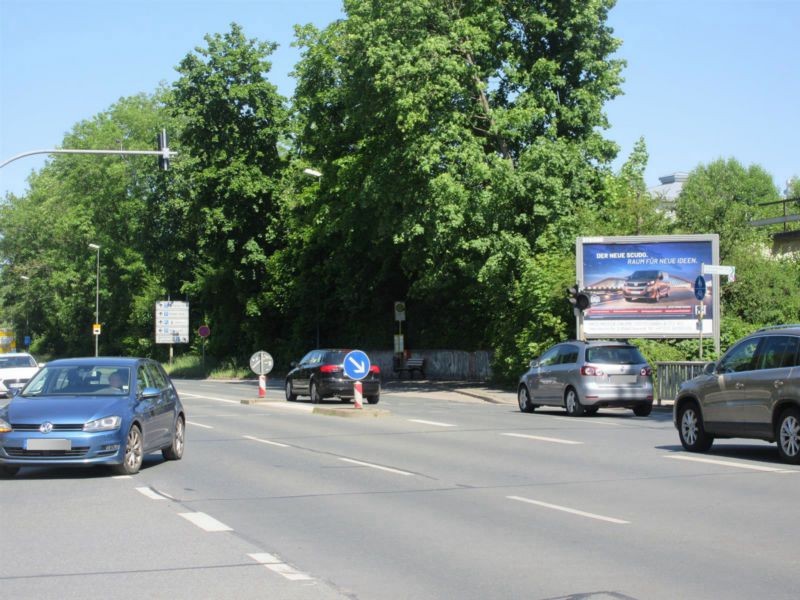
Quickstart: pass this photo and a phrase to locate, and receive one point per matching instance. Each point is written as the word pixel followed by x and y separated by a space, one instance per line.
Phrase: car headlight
pixel 104 424
pixel 4 426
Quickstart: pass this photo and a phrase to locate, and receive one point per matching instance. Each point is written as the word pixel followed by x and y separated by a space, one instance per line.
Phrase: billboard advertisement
pixel 643 286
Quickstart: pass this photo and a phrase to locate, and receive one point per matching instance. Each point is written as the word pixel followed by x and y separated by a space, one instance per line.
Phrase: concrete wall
pixel 452 365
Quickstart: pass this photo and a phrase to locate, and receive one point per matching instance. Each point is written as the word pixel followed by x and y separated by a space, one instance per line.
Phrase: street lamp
pixel 26 279
pixel 314 173
pixel 95 329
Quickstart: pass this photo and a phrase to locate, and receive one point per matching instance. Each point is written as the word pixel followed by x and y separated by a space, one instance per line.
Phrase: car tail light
pixel 330 368
pixel 375 369
pixel 591 371
pixel 646 372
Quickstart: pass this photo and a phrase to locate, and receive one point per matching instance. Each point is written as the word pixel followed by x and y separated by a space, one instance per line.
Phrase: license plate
pixel 623 378
pixel 48 444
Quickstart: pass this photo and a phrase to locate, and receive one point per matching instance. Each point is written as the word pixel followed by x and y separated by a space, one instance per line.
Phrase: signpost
pixel 172 323
pixel 261 363
pixel 399 316
pixel 700 294
pixel 356 367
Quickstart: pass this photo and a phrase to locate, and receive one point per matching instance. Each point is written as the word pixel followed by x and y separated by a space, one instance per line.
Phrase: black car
pixel 320 374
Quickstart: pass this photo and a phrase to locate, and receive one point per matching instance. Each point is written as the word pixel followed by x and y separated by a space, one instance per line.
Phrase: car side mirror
pixel 150 392
pixel 534 363
pixel 710 368
pixel 15 391
pixel 293 364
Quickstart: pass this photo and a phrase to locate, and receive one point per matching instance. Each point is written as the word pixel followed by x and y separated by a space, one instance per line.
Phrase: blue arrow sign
pixel 700 287
pixel 356 364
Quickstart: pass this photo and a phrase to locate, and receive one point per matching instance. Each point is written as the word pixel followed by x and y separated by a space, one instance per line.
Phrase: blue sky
pixel 705 78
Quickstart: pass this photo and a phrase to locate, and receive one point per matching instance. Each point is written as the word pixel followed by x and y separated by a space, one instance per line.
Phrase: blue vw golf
pixel 92 411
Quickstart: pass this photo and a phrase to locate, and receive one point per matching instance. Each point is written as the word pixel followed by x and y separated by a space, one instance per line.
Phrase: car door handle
pixel 739 386
pixel 778 383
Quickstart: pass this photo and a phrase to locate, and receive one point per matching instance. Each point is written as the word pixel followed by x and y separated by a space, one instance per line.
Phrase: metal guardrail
pixel 670 376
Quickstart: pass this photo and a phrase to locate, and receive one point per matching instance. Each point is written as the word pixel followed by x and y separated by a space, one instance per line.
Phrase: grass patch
pixel 188 366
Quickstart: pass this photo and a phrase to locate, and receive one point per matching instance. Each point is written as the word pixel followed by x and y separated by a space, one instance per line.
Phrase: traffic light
pixel 578 299
pixel 163 147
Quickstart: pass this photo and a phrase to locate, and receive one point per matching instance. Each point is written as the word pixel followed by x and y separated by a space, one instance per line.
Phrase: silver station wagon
pixel 584 376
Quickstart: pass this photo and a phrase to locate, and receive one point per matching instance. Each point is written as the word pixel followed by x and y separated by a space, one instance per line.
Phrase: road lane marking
pixel 196 424
pixel 281 405
pixel 255 439
pixel 594 421
pixel 372 466
pixel 209 398
pixel 121 477
pixel 434 423
pixel 152 494
pixel 275 564
pixel 572 511
pixel 541 438
pixel 205 522
pixel 728 463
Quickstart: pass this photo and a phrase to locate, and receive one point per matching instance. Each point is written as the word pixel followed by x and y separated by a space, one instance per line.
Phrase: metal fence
pixel 670 376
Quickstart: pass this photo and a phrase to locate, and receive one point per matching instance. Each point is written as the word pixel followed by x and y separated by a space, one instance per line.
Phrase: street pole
pixel 96 301
pixel 26 279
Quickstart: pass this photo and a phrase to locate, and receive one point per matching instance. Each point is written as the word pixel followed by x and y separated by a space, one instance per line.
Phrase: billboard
pixel 643 286
pixel 172 322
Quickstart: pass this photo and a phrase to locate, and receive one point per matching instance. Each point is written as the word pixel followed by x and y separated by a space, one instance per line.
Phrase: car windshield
pixel 79 380
pixel 615 355
pixel 644 275
pixel 15 362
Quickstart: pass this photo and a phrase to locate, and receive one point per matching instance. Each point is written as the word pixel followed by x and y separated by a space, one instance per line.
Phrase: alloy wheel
pixel 689 427
pixel 790 436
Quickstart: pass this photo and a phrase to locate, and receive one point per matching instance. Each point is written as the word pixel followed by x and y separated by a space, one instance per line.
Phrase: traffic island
pixel 350 411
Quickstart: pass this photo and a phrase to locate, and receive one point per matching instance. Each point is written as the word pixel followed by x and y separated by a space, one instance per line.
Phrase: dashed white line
pixel 434 423
pixel 273 563
pixel 121 477
pixel 196 424
pixel 594 421
pixel 572 511
pixel 541 438
pixel 205 522
pixel 151 493
pixel 372 466
pixel 729 463
pixel 210 398
pixel 271 443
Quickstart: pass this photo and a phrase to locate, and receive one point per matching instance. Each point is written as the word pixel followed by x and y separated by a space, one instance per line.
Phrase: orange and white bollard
pixel 357 394
pixel 262 386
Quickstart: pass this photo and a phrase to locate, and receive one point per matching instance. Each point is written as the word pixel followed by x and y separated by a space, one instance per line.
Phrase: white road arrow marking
pixel 360 367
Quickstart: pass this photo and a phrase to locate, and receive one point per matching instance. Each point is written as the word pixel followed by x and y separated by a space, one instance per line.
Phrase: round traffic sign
pixel 356 364
pixel 204 331
pixel 261 362
pixel 700 287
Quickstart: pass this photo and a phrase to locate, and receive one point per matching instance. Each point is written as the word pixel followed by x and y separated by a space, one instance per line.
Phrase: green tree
pixel 451 137
pixel 723 197
pixel 73 201
pixel 219 211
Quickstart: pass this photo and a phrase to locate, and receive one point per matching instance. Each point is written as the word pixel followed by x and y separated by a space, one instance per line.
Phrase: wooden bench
pixel 410 365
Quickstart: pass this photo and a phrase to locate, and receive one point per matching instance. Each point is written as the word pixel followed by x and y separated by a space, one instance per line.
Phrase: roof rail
pixel 786 326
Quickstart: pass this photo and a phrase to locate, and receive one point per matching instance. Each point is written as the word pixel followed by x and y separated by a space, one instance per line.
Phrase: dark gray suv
pixel 584 376
pixel 752 392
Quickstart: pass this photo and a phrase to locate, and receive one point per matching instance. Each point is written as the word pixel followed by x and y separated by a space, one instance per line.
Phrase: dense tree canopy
pixel 461 149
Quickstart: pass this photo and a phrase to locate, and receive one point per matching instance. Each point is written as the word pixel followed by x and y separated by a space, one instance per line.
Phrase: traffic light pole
pixel 166 153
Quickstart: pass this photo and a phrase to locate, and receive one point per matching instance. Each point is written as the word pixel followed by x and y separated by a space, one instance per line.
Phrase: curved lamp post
pixel 97 300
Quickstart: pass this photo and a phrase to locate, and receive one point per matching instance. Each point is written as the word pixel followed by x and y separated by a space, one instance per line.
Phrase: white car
pixel 16 369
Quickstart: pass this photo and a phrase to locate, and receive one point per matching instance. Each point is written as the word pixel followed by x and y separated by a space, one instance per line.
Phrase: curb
pixel 350 412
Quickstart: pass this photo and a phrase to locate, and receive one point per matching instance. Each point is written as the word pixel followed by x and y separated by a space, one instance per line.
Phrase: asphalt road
pixel 446 497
